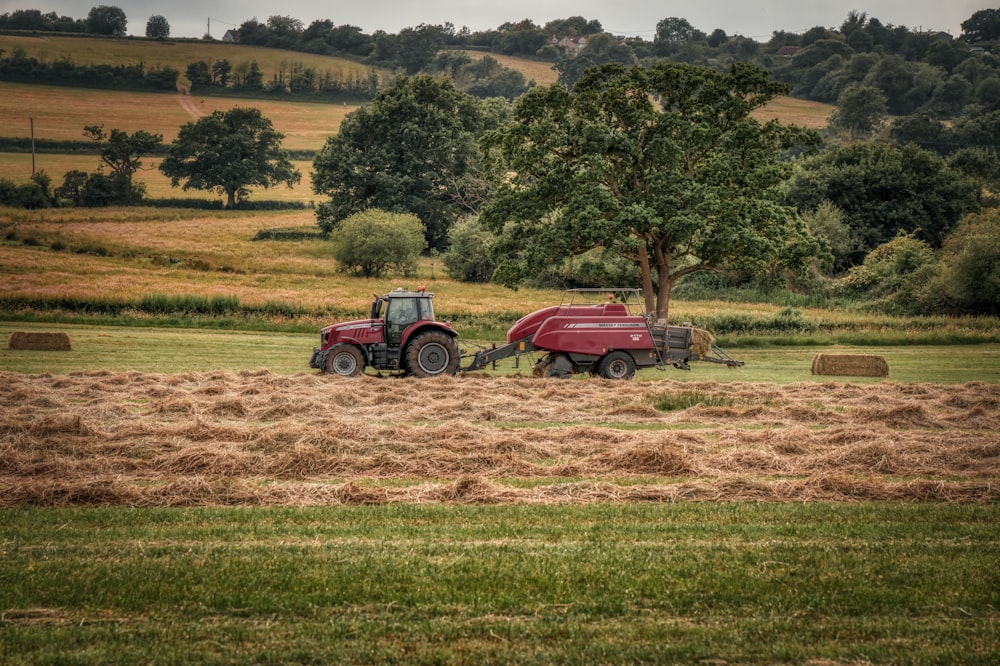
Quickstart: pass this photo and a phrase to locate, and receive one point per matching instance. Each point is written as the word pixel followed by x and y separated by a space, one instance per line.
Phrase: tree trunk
pixel 647 279
pixel 666 283
pixel 663 296
pixel 230 199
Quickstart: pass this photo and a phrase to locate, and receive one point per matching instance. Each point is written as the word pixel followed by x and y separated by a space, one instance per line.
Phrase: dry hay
pixel 254 438
pixel 34 341
pixel 850 365
pixel 702 344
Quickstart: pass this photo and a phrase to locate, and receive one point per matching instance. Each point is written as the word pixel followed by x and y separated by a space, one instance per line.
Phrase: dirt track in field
pixel 255 438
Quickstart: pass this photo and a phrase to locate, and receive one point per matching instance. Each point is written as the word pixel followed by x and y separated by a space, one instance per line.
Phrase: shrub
pixel 895 276
pixel 468 256
pixel 969 280
pixel 372 241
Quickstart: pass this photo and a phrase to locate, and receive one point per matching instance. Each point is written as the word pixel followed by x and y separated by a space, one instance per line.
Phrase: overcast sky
pixel 751 18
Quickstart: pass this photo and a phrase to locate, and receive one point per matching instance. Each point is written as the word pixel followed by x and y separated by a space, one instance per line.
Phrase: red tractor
pixel 401 336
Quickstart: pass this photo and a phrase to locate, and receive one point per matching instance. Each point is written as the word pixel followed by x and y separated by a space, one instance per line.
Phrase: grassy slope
pixel 176 54
pixel 61 113
pixel 126 254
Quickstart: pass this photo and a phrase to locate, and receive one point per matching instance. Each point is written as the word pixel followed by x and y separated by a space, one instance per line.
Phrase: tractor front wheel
pixel 431 354
pixel 617 365
pixel 345 360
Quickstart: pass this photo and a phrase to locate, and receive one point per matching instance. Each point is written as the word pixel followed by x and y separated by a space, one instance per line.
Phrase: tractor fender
pixel 424 326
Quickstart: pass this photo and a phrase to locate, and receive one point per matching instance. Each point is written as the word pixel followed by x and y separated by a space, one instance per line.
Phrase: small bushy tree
pixel 157 27
pixel 827 224
pixel 969 281
pixel 468 256
pixel 860 111
pixel 895 276
pixel 122 153
pixel 372 241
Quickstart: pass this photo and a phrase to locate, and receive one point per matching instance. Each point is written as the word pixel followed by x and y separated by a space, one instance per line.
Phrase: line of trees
pixel 21 68
pixel 101 20
pixel 222 77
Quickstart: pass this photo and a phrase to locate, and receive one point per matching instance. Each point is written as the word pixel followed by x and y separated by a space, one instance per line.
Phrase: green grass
pixel 739 583
pixel 173 350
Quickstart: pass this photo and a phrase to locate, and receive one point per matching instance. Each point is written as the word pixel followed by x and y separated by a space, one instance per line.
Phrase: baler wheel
pixel 616 365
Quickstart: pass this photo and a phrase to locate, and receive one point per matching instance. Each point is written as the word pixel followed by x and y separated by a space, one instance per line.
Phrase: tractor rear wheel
pixel 616 365
pixel 345 360
pixel 431 354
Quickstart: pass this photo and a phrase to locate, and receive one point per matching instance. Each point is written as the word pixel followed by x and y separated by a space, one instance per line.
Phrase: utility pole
pixel 32 119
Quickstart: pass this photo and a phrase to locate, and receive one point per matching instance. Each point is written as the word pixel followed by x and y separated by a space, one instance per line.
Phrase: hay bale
pixel 853 365
pixel 702 344
pixel 22 340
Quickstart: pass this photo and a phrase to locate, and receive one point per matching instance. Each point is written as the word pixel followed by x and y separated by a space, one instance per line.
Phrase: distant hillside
pixel 176 54
pixel 60 113
pixel 788 110
pixel 541 72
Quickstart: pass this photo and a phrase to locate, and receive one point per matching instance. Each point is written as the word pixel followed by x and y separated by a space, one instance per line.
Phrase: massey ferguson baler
pixel 610 339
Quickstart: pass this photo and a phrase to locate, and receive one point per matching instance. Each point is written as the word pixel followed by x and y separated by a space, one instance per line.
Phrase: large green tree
pixel 665 166
pixel 228 151
pixel 412 150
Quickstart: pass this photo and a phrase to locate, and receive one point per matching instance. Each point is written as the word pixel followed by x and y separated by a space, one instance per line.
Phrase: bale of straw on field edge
pixel 854 365
pixel 22 340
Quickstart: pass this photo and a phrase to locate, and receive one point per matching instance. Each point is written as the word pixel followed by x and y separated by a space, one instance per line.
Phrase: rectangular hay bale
pixel 33 341
pixel 853 365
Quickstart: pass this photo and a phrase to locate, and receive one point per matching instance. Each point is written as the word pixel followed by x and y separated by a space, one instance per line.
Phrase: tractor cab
pixel 402 309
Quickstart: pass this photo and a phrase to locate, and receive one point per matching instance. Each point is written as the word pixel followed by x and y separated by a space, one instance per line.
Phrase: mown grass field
pixel 170 492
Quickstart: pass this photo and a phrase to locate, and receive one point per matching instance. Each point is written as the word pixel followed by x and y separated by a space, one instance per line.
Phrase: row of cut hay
pixel 467 489
pixel 77 440
pixel 850 365
pixel 103 428
pixel 221 397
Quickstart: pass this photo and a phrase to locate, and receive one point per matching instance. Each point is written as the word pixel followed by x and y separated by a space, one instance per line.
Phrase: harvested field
pixel 255 438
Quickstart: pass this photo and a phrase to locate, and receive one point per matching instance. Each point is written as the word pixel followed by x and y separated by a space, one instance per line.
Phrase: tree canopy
pixel 686 183
pixel 884 190
pixel 229 151
pixel 412 150
pixel 122 153
pixel 372 241
pixel 107 20
pixel 157 27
